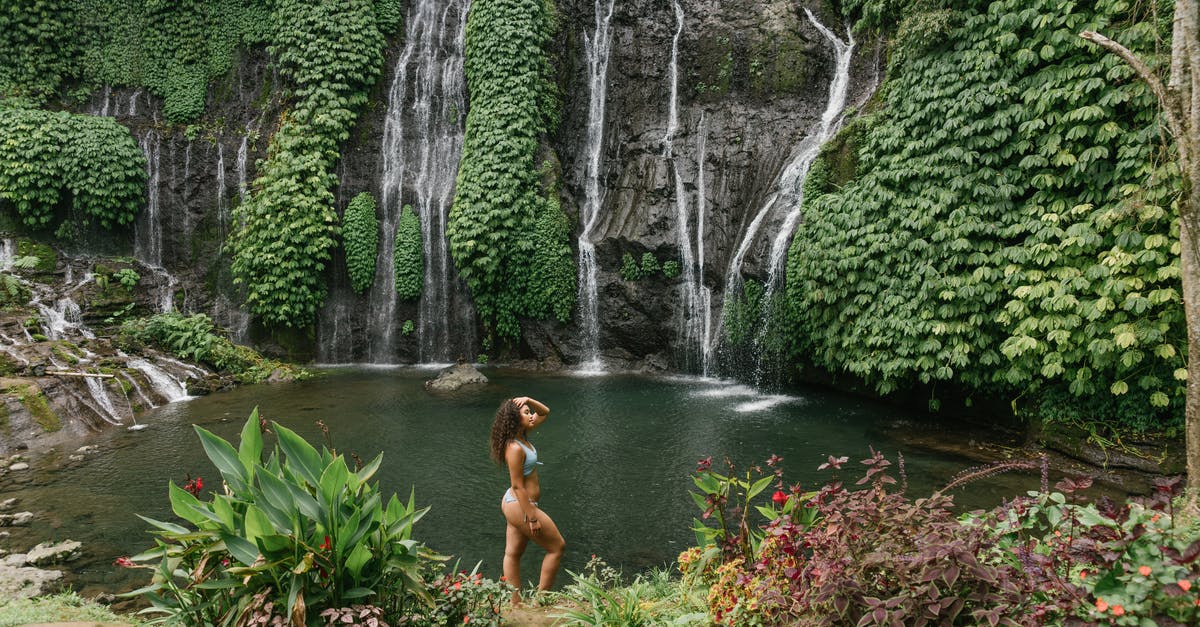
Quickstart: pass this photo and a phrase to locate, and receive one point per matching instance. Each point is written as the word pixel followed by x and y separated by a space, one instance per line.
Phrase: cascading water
pixel 421 147
pixel 148 230
pixel 166 385
pixel 788 194
pixel 692 327
pixel 597 46
pixel 704 293
pixel 222 203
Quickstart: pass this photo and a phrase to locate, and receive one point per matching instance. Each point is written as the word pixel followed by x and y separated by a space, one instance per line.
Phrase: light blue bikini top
pixel 531 459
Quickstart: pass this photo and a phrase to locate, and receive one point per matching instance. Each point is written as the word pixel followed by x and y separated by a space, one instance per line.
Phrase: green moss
pixel 47 258
pixel 778 65
pixel 37 405
pixel 63 352
pixel 4 423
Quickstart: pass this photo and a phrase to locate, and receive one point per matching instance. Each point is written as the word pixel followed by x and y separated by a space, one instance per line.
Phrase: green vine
pixel 331 52
pixel 409 256
pixel 499 199
pixel 1010 225
pixel 360 239
pixel 91 165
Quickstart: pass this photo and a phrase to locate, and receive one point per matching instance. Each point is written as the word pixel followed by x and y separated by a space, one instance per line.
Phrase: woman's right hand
pixel 535 526
pixel 521 400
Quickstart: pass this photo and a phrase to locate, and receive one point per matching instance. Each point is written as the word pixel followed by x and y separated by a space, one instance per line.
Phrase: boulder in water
pixel 455 377
pixel 48 553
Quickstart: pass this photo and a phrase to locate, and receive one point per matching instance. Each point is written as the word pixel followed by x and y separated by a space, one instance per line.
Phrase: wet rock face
pixel 752 80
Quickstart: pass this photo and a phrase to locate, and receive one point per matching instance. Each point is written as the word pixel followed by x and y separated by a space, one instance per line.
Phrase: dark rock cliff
pixel 753 79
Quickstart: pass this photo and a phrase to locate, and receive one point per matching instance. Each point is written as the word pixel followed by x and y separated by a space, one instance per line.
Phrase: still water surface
pixel 618 453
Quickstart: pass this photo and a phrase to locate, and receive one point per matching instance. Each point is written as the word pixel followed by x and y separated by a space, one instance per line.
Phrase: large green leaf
pixel 251 446
pixel 224 457
pixel 301 456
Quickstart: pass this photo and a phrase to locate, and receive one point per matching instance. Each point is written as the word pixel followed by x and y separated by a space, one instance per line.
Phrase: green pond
pixel 618 453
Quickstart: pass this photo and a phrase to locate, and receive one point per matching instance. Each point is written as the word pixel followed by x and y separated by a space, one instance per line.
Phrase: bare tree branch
pixel 1169 106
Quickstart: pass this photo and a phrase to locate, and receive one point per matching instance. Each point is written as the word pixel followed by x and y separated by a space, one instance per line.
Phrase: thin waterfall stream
pixel 422 142
pixel 597 46
pixel 788 194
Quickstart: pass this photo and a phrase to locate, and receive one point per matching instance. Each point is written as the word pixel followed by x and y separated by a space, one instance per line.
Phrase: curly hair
pixel 505 428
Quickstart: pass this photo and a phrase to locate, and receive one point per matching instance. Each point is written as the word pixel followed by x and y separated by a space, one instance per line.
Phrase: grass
pixel 62 607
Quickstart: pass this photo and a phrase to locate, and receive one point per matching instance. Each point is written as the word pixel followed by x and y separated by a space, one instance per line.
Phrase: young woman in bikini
pixel 511 448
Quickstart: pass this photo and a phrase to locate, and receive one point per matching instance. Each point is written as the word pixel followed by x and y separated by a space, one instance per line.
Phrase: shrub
pixel 360 238
pixel 195 338
pixel 1122 564
pixel 290 537
pixel 872 556
pixel 91 161
pixel 409 257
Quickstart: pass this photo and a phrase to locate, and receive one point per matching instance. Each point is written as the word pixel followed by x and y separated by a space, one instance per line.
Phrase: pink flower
pixel 1144 571
pixel 704 464
pixel 1117 610
pixel 1101 605
pixel 123 562
pixel 1184 584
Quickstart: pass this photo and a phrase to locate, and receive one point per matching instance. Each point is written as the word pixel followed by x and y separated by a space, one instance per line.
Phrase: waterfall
pixel 62 319
pixel 787 195
pixel 222 204
pixel 243 149
pixel 148 230
pixel 163 383
pixel 597 47
pixel 831 122
pixel 692 327
pixel 422 142
pixel 703 292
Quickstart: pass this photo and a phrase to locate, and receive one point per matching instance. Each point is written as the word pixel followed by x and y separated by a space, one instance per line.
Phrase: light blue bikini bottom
pixel 509 497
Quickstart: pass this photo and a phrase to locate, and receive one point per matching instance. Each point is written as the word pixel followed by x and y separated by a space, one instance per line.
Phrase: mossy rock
pixel 35 403
pixel 47 258
pixel 778 65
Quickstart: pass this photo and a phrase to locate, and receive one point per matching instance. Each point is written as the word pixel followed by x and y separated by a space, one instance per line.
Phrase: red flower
pixel 780 497
pixel 123 562
pixel 326 545
pixel 194 486
pixel 1185 584
pixel 1117 610
pixel 704 464
pixel 1144 571
pixel 1101 605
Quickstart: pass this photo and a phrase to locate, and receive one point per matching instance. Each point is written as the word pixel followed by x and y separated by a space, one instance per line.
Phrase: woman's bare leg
pixel 514 548
pixel 548 538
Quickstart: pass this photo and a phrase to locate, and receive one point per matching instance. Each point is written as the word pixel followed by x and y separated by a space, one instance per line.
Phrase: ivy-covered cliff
pixel 996 214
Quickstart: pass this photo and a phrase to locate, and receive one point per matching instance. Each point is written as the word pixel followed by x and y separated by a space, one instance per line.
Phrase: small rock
pixel 21 519
pixel 455 377
pixel 88 449
pixel 19 466
pixel 17 582
pixel 75 458
pixel 8 504
pixel 48 553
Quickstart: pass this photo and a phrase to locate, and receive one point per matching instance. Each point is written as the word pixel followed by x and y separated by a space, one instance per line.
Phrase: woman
pixel 510 447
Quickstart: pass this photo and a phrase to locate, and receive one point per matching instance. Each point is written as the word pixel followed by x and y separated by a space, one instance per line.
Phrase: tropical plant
pixel 127 277
pixel 360 238
pixel 195 338
pixel 409 256
pixel 300 531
